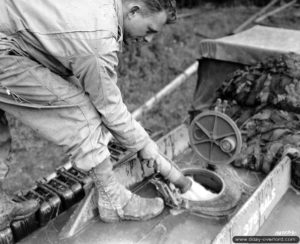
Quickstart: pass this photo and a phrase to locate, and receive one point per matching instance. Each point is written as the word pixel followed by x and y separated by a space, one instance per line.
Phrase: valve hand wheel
pixel 215 137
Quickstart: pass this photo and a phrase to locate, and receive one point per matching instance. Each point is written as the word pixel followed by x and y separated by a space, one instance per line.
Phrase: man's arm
pixel 99 77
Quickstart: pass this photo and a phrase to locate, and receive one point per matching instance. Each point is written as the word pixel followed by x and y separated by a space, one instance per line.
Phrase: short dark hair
pixel 162 5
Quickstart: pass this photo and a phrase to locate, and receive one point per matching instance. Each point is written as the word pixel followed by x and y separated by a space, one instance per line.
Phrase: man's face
pixel 140 27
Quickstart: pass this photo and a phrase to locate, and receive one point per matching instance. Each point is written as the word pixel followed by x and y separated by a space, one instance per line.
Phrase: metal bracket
pixel 168 191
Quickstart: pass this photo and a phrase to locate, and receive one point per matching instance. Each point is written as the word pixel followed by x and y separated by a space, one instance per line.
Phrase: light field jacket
pixel 78 38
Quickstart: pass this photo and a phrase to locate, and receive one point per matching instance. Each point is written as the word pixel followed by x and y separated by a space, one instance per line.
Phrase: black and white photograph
pixel 149 121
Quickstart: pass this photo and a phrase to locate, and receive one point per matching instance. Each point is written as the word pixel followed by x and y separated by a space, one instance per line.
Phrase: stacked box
pixel 6 236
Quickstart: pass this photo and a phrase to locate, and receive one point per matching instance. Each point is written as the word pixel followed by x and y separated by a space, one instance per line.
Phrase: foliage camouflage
pixel 264 100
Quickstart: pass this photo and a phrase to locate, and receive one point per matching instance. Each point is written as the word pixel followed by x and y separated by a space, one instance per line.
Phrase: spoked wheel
pixel 215 137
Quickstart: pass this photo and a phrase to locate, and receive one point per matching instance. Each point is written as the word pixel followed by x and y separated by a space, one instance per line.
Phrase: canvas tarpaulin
pixel 220 57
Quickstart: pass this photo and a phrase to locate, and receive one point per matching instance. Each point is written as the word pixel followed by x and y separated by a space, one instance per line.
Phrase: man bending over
pixel 58 61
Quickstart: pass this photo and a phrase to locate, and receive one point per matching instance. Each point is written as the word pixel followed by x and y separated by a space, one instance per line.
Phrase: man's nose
pixel 149 38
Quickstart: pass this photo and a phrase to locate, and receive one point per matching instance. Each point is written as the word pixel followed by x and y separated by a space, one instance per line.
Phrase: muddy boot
pixel 116 203
pixel 10 210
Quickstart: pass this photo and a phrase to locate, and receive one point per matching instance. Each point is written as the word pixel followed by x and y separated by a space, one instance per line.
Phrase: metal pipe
pixel 166 90
pixel 253 17
pixel 275 11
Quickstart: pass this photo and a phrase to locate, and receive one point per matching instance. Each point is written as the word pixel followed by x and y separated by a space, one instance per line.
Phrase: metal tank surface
pixel 173 225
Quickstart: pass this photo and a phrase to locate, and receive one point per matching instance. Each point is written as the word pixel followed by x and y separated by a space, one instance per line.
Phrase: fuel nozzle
pixel 172 173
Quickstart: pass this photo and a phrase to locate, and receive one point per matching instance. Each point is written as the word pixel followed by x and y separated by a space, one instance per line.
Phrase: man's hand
pixel 154 158
pixel 150 152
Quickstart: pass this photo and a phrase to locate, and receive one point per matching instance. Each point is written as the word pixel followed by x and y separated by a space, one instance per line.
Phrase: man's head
pixel 144 18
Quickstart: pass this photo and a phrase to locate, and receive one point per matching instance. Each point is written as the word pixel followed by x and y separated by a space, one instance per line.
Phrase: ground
pixel 143 71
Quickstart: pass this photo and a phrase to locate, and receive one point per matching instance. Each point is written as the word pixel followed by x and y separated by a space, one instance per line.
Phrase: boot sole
pixel 117 218
pixel 144 218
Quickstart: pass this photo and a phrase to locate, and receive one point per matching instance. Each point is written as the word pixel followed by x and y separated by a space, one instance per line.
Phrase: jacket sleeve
pixel 98 76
